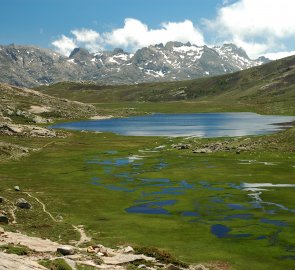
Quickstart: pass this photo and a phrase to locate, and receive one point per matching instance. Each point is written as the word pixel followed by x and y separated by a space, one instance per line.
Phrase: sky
pixel 261 27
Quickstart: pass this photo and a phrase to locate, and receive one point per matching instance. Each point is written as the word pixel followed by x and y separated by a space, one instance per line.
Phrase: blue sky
pixel 130 24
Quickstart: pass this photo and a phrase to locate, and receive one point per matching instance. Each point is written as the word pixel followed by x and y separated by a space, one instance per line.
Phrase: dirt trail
pixel 43 206
pixel 83 237
pixel 80 228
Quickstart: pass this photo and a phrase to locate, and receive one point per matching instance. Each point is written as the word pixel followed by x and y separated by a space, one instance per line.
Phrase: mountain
pixel 270 88
pixel 32 66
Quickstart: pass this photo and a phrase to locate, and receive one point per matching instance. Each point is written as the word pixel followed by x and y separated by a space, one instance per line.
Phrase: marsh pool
pixel 194 124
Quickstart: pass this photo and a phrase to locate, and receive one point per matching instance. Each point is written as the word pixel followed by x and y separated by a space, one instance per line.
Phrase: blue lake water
pixel 193 124
pixel 231 211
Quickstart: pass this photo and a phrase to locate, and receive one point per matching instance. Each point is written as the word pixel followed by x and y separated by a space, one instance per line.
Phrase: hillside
pixel 23 105
pixel 23 114
pixel 267 84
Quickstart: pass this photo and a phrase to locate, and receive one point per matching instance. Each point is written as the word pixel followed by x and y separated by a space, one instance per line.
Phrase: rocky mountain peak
pixel 118 51
pixel 31 66
pixel 172 44
pixel 79 53
pixel 232 48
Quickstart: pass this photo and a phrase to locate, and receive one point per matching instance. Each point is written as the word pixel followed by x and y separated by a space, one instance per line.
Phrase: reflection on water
pixel 177 125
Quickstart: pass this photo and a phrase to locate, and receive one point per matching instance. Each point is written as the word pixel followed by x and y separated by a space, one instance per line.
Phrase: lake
pixel 180 125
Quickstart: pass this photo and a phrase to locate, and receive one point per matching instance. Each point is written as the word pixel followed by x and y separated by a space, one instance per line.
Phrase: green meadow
pixel 141 191
pixel 94 179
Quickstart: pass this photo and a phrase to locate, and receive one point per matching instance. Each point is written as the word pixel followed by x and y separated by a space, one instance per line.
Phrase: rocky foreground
pixel 97 256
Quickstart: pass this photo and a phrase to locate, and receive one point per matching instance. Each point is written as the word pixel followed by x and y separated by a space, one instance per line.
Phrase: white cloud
pixel 88 38
pixel 64 45
pixel 86 35
pixel 257 25
pixel 278 55
pixel 261 27
pixel 135 34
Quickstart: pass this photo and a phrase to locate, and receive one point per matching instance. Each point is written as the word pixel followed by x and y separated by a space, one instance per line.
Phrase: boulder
pixel 128 250
pixel 181 146
pixel 66 250
pixel 23 204
pixel 1 199
pixel 126 258
pixel 14 128
pixel 42 132
pixel 4 219
pixel 101 249
pixel 91 249
pixel 202 151
pixel 16 188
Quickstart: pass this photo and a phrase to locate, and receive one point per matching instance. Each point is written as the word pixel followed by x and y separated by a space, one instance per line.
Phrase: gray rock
pixel 173 267
pixel 102 249
pixel 4 219
pixel 198 267
pixel 66 250
pixel 23 204
pixel 11 129
pixel 202 151
pixel 12 261
pixel 125 258
pixel 128 250
pixel 181 146
pixel 34 66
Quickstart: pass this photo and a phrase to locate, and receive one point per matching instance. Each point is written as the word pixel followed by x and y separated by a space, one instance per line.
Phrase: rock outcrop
pixel 96 256
pixel 12 261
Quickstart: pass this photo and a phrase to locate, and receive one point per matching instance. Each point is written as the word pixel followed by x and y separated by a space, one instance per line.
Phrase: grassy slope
pixel 60 176
pixel 268 89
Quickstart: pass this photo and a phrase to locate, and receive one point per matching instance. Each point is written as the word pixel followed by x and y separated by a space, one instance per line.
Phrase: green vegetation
pixel 12 249
pixel 58 264
pixel 89 178
pixel 68 190
pixel 85 267
pixel 160 255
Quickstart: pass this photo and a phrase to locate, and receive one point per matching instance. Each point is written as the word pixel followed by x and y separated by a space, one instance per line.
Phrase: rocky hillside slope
pixel 31 66
pixel 23 113
pixel 25 105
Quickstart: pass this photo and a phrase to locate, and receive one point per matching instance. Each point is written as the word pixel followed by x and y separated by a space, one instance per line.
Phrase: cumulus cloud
pixel 133 35
pixel 258 26
pixel 279 55
pixel 261 27
pixel 64 45
pixel 88 38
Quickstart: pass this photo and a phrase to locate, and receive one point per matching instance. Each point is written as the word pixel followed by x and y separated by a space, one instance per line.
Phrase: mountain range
pixel 31 66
